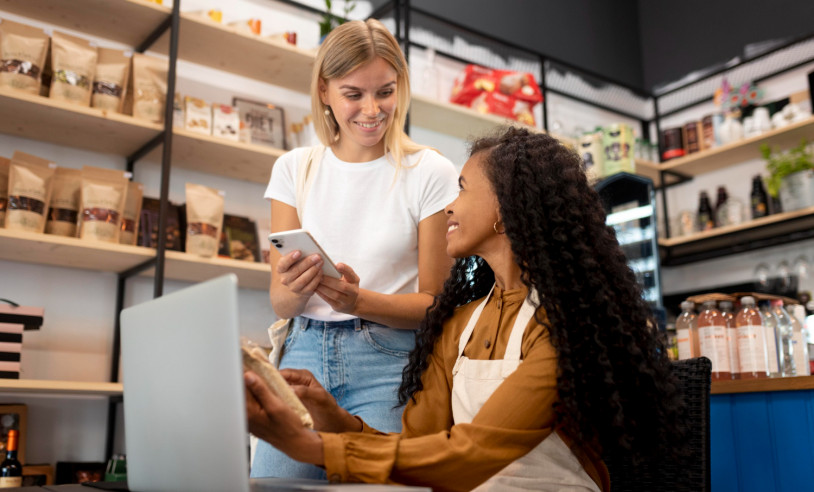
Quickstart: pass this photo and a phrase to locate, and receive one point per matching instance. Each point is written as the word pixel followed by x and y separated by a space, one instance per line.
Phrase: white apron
pixel 551 466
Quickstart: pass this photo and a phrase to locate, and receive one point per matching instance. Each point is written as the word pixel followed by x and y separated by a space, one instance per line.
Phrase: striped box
pixel 13 321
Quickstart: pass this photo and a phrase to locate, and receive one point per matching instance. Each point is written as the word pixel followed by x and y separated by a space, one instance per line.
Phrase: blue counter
pixel 762 435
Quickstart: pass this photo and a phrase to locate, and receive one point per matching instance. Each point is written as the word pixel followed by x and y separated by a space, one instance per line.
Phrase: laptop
pixel 184 404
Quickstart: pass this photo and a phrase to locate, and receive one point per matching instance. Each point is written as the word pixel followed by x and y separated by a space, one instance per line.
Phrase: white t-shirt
pixel 364 218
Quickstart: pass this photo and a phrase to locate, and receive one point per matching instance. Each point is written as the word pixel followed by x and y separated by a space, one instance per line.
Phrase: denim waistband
pixel 356 324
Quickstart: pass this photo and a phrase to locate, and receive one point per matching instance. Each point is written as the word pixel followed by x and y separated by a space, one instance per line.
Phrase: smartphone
pixel 301 240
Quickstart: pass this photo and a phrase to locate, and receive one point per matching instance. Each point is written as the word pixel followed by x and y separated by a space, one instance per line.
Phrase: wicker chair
pixel 691 474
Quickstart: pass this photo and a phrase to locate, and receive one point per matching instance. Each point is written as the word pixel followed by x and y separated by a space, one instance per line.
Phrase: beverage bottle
pixel 712 335
pixel 731 337
pixel 751 340
pixel 706 218
pixel 770 326
pixel 785 341
pixel 759 198
pixel 11 471
pixel 800 341
pixel 720 205
pixel 687 332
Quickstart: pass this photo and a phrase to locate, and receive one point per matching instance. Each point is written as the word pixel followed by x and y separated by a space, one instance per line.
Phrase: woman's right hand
pixel 327 414
pixel 300 275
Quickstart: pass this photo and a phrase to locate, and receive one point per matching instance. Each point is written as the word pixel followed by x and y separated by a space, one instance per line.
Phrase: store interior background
pixel 643 44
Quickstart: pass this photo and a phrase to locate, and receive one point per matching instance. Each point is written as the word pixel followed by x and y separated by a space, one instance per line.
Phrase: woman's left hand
pixel 341 294
pixel 273 421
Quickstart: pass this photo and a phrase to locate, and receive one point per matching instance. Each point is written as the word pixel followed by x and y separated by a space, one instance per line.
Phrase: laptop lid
pixel 184 406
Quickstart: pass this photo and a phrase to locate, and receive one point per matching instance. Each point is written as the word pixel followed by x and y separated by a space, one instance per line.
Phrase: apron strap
pixel 516 338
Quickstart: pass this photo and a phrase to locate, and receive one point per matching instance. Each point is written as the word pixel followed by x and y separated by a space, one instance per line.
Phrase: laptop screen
pixel 184 406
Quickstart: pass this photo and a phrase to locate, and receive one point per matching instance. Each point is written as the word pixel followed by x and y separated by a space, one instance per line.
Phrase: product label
pixel 752 349
pixel 714 346
pixel 800 356
pixel 683 342
pixel 6 482
pixel 732 342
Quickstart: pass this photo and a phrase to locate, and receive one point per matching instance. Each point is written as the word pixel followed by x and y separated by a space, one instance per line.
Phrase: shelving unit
pixel 767 384
pixel 53 388
pixel 772 230
pixel 69 252
pixel 740 151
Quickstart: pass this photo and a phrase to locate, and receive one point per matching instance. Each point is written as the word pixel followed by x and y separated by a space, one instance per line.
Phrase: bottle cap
pixel 710 304
pixel 687 305
pixel 726 304
pixel 748 300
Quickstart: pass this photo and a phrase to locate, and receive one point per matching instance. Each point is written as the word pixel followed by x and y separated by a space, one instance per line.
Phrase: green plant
pixel 781 164
pixel 330 20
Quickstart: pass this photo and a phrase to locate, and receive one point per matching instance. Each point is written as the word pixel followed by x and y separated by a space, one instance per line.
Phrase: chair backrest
pixel 690 473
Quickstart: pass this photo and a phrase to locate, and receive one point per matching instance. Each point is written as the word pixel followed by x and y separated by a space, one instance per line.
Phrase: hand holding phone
pixel 301 240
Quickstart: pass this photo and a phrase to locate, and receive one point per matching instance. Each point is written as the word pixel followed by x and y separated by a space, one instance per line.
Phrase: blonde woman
pixel 376 207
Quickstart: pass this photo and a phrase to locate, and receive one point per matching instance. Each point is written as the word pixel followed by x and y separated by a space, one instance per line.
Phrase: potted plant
pixel 330 21
pixel 791 176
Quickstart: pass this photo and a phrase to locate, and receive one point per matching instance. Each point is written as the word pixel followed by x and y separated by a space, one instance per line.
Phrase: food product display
pixel 149 88
pixel 502 92
pixel 197 115
pixel 64 205
pixel 22 56
pixel 73 62
pixel 225 122
pixel 131 213
pixel 30 183
pixel 110 81
pixel 204 215
pixel 102 198
pixel 4 170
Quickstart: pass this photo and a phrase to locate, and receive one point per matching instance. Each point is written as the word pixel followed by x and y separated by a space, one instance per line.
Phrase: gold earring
pixel 494 226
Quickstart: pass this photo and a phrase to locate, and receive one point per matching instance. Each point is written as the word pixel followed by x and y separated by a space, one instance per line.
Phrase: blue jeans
pixel 359 362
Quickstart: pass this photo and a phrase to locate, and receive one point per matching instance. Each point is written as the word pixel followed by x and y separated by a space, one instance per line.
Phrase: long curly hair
pixel 615 385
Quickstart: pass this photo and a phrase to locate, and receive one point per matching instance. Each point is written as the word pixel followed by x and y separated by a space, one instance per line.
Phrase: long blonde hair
pixel 347 48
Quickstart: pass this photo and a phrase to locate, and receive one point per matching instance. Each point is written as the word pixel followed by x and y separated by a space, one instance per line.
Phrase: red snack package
pixel 501 92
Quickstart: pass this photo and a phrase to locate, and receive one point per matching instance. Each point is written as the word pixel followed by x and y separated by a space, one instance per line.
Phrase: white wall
pixel 75 341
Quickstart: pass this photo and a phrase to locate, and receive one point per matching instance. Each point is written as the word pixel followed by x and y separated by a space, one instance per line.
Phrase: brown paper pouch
pixel 29 192
pixel 22 56
pixel 132 211
pixel 204 219
pixel 101 202
pixel 62 211
pixel 149 87
pixel 73 61
pixel 110 82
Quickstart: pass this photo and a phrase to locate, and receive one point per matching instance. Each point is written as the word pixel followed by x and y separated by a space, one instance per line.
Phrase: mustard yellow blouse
pixel 430 450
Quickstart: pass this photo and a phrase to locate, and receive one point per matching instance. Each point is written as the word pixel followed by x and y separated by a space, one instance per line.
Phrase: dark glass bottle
pixel 720 206
pixel 706 218
pixel 11 471
pixel 759 198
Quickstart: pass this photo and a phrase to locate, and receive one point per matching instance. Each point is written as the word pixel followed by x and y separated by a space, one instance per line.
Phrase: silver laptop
pixel 184 406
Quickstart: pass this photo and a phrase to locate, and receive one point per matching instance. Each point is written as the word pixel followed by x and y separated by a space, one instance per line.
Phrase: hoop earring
pixel 494 226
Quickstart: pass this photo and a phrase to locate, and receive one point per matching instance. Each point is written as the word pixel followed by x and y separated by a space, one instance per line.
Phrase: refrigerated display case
pixel 630 205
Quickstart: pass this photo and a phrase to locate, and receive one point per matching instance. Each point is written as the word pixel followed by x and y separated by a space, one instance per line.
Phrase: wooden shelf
pixel 745 226
pixel 214 155
pixel 214 45
pixel 191 268
pixel 454 119
pixel 69 252
pixel 758 385
pixel 763 232
pixel 649 170
pixel 41 118
pixel 125 21
pixel 741 151
pixel 44 387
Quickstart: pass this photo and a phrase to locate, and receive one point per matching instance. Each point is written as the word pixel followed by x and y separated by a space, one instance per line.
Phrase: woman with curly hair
pixel 538 357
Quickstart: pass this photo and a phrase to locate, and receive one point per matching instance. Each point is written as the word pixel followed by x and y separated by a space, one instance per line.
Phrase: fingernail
pixel 250 378
pixel 316 259
pixel 296 254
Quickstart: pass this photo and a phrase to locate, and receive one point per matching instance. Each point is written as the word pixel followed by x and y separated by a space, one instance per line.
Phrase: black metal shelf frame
pixel 780 59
